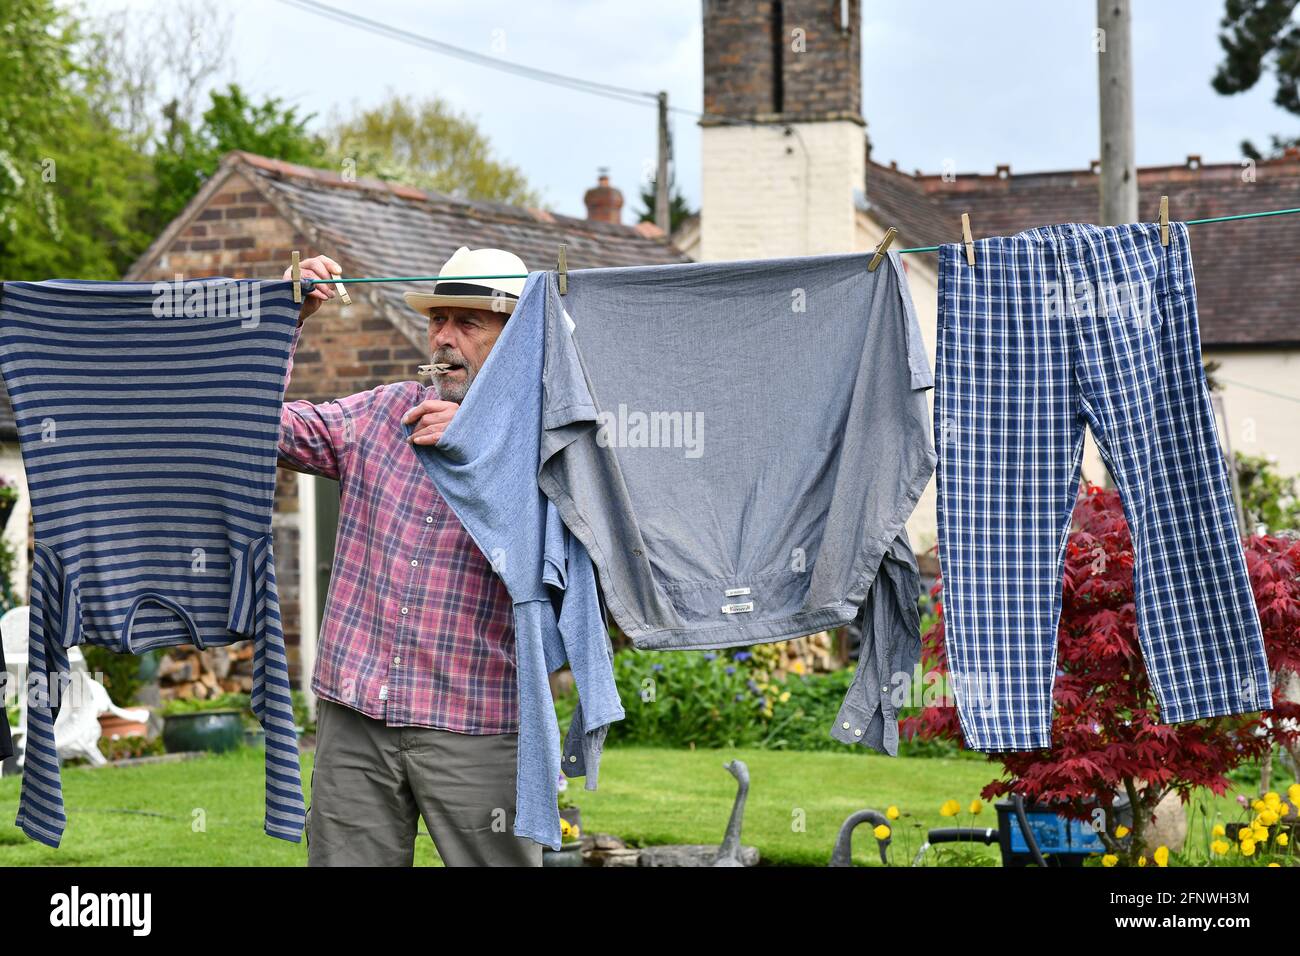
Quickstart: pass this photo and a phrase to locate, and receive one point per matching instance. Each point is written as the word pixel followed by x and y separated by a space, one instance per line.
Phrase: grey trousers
pixel 371 783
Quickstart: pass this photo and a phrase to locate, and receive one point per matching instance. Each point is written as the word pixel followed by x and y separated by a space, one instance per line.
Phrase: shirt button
pixel 397 660
pixel 415 564
pixel 405 610
pixel 428 519
pixel 573 758
pixel 845 725
pixel 857 733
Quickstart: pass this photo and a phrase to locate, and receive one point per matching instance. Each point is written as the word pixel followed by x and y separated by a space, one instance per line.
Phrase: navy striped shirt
pixel 148 415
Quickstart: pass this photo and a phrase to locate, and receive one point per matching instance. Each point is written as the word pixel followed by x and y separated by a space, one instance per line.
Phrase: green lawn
pixel 145 815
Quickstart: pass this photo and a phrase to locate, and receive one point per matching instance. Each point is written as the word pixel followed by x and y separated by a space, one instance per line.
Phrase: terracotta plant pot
pixel 114 727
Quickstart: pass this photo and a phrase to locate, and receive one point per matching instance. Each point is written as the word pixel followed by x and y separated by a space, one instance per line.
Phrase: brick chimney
pixel 782 181
pixel 788 59
pixel 604 202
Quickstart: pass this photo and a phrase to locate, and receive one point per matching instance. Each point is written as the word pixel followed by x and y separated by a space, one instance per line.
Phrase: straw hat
pixel 499 295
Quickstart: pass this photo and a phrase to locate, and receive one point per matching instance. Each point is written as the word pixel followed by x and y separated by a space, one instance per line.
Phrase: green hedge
pixel 715 699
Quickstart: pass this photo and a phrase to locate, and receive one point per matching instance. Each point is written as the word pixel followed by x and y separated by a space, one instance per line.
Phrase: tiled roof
pixel 1247 271
pixel 384 229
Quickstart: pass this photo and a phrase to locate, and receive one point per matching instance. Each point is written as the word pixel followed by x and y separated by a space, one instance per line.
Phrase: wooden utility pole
pixel 662 217
pixel 1119 188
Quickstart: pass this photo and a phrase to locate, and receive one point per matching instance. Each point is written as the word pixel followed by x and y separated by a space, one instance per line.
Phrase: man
pixel 415 669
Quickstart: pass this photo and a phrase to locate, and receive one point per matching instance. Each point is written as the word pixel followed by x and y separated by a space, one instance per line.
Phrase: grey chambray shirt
pixel 738 446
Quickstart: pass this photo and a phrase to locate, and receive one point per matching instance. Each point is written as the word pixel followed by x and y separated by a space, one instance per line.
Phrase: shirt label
pixel 383 692
pixel 735 592
pixel 568 320
pixel 738 608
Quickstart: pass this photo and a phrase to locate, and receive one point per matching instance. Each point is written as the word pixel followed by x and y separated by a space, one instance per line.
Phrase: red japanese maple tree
pixel 1105 734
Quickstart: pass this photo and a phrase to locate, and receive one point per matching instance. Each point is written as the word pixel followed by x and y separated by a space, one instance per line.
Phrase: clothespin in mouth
pixel 966 239
pixel 882 249
pixel 1164 220
pixel 438 368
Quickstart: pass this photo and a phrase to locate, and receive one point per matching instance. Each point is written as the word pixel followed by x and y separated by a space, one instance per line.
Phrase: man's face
pixel 462 338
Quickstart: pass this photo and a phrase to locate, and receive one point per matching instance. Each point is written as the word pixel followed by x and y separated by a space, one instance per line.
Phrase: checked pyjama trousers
pixel 1053 329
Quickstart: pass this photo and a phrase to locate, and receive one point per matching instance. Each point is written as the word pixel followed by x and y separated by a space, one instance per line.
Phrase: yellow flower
pixel 1268 818
pixel 1110 859
pixel 784 697
pixel 950 808
pixel 892 812
pixel 1121 831
pixel 1282 839
pixel 1142 861
pixel 1275 864
pixel 1257 805
pixel 1248 848
pixel 976 806
pixel 1244 834
pixel 1272 800
pixel 1218 830
pixel 881 832
pixel 1293 793
pixel 797 667
pixel 577 832
pixel 1260 834
pixel 566 828
pixel 1161 856
pixel 1220 847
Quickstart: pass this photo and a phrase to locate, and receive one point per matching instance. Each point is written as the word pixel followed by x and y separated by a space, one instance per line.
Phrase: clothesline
pixel 307 282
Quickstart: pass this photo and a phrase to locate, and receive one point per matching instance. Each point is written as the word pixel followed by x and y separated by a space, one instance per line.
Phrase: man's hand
pixel 317 267
pixel 431 418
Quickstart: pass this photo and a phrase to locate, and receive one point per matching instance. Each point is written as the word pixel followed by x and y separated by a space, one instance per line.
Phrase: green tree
pixel 1257 36
pixel 678 210
pixel 34 70
pixel 69 180
pixel 1269 499
pixel 187 156
pixel 425 143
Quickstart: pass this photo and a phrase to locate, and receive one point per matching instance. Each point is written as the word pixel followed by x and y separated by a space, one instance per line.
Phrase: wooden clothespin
pixel 563 268
pixel 295 271
pixel 882 249
pixel 344 298
pixel 1164 220
pixel 966 238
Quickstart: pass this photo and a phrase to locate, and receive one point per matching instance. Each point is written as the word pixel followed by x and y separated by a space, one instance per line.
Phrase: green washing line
pixel 1190 222
pixel 1256 388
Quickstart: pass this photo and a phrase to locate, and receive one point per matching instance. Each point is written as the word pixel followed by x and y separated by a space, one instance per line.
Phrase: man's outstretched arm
pixel 313 438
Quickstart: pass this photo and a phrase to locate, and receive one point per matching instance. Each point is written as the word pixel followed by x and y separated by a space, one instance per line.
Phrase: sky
pixel 972 83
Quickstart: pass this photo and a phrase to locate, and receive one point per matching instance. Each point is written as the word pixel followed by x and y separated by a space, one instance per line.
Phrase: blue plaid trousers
pixel 1052 329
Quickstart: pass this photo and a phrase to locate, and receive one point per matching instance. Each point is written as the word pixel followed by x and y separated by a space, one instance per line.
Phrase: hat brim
pixel 422 302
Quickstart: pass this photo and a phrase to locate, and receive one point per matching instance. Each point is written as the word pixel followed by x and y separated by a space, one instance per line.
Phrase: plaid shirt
pixel 418 628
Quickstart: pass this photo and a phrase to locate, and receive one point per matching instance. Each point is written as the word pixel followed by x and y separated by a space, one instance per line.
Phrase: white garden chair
pixel 76 730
